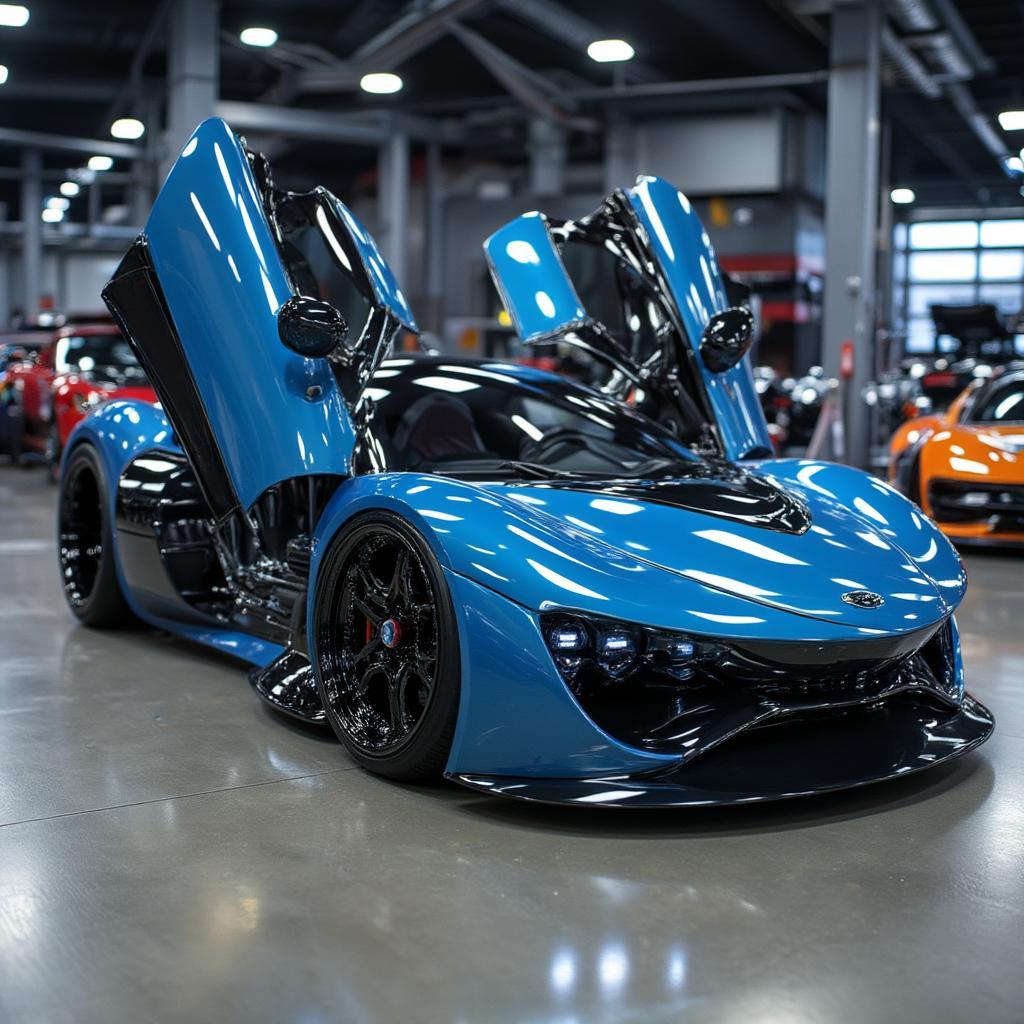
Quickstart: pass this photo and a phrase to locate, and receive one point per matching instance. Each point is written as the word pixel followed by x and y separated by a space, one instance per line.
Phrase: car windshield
pixel 105 358
pixel 1002 404
pixel 492 420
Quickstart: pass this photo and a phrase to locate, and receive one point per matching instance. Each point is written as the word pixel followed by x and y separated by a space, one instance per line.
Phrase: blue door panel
pixel 687 261
pixel 274 414
pixel 535 288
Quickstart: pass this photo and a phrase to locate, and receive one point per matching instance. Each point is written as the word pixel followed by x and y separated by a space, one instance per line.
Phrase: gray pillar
pixel 620 159
pixel 851 206
pixel 433 247
pixel 393 203
pixel 548 150
pixel 31 233
pixel 93 204
pixel 193 79
pixel 5 290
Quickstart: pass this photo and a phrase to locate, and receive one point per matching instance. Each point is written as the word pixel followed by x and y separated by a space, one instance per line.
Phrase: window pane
pixel 1002 232
pixel 1007 298
pixel 923 296
pixel 1004 404
pixel 899 265
pixel 1002 266
pixel 920 336
pixel 944 234
pixel 943 266
pixel 899 236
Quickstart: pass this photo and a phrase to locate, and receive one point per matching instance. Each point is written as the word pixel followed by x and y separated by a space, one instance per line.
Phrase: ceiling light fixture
pixel 13 15
pixel 380 82
pixel 70 189
pixel 257 36
pixel 902 195
pixel 1012 120
pixel 127 128
pixel 4 74
pixel 609 51
pixel 1014 164
pixel 100 163
pixel 57 203
pixel 52 216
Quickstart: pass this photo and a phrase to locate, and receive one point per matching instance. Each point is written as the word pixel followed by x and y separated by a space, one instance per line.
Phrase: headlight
pixel 591 650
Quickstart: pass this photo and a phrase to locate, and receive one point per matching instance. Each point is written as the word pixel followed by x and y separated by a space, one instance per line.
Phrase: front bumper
pixel 788 757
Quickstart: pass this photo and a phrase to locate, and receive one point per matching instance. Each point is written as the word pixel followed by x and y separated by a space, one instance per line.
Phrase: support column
pixel 548 151
pixel 851 208
pixel 620 159
pixel 193 79
pixel 393 203
pixel 433 247
pixel 31 233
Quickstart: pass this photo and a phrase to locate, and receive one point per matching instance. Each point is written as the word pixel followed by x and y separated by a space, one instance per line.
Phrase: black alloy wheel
pixel 386 648
pixel 85 546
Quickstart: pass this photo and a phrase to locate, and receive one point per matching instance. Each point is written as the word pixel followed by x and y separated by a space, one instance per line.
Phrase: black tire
pixel 85 544
pixel 393 705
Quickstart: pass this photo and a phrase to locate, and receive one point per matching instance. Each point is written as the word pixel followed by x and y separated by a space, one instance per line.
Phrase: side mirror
pixel 310 327
pixel 726 338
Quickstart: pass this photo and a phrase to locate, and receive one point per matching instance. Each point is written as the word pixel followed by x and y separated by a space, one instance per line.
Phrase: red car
pixel 44 398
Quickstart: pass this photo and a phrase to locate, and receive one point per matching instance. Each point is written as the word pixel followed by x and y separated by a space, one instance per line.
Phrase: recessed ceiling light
pixel 1014 164
pixel 257 36
pixel 57 203
pixel 70 189
pixel 52 216
pixel 381 82
pixel 4 74
pixel 609 51
pixel 100 163
pixel 1012 120
pixel 127 128
pixel 13 15
pixel 902 195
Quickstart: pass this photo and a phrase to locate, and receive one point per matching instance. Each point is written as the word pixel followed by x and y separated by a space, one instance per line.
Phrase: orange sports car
pixel 965 466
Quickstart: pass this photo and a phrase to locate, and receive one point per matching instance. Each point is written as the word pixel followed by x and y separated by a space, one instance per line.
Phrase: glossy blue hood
pixel 806 573
pixel 549 547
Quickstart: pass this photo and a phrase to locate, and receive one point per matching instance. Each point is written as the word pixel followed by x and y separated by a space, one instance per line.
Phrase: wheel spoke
pixel 396 700
pixel 372 646
pixel 373 615
pixel 398 588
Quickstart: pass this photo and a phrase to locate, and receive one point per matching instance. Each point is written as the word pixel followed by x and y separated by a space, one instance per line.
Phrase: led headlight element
pixel 616 651
pixel 570 636
pixel 588 651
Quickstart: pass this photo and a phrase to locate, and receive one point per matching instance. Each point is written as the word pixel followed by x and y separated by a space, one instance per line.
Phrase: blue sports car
pixel 605 594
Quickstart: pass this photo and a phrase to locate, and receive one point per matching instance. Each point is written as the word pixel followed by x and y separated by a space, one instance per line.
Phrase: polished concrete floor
pixel 170 851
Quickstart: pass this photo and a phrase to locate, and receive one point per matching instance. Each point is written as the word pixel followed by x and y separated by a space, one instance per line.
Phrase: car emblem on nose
pixel 863 599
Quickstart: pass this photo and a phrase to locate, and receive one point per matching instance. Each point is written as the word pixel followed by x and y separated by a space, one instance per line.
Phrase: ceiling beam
pixel 46 141
pixel 365 128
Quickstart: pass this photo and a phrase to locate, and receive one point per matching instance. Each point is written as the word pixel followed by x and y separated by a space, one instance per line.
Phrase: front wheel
pixel 385 648
pixel 85 543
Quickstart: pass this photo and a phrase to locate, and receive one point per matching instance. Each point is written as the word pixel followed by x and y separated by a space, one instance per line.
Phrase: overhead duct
pixel 945 39
pixel 912 68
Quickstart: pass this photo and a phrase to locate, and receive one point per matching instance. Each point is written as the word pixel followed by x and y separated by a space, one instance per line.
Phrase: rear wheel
pixel 85 544
pixel 385 648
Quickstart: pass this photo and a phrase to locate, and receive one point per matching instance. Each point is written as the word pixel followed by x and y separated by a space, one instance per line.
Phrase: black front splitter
pixel 790 759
